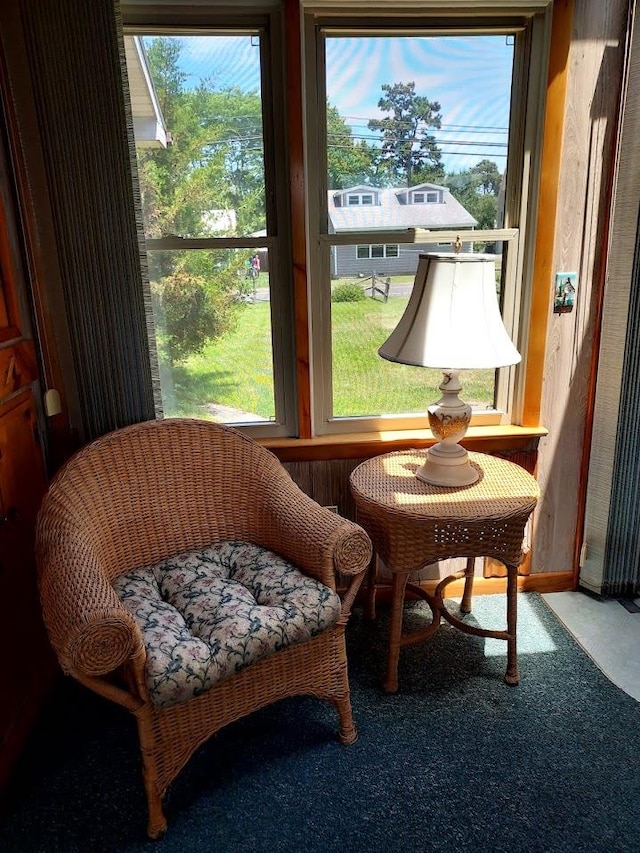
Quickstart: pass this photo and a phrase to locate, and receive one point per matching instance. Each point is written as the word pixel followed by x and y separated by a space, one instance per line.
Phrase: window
pixel 430 197
pixel 452 103
pixel 360 198
pixel 452 107
pixel 208 133
pixel 386 251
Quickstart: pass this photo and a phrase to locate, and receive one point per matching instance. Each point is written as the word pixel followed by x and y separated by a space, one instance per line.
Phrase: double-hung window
pixel 210 133
pixel 421 128
pixel 441 113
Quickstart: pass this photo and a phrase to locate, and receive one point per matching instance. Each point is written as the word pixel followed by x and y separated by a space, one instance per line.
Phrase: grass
pixel 237 371
pixel 365 384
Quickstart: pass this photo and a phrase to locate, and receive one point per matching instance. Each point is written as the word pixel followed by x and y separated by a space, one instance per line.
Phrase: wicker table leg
pixel 512 676
pixel 465 604
pixel 398 587
pixel 372 580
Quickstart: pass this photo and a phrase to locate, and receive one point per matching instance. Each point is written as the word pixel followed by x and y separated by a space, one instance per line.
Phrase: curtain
pixel 611 552
pixel 76 54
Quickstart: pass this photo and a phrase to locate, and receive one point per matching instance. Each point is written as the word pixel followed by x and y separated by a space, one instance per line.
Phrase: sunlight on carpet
pixel 533 637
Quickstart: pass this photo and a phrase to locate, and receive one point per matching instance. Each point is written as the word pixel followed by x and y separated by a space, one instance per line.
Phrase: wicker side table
pixel 413 524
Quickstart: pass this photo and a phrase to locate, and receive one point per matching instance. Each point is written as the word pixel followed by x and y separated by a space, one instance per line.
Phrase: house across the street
pixel 367 208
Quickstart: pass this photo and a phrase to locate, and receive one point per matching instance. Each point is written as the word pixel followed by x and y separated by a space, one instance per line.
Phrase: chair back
pixel 157 488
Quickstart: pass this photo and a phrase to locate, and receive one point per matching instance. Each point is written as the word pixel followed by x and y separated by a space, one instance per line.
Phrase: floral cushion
pixel 206 614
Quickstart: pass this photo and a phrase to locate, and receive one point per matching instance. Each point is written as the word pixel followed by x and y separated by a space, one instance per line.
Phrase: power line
pixel 468 142
pixel 443 125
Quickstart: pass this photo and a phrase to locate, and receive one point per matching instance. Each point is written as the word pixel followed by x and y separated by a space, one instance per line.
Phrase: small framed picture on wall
pixel 566 288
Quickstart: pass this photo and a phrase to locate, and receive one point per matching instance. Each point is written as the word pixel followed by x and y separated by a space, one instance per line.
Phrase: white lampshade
pixel 452 319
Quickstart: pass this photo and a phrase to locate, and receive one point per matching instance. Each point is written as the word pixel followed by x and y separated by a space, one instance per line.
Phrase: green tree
pixel 407 150
pixel 488 177
pixel 231 121
pixel 349 162
pixel 477 189
pixel 214 163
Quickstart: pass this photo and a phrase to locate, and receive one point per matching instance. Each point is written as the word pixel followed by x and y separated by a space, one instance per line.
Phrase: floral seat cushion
pixel 206 614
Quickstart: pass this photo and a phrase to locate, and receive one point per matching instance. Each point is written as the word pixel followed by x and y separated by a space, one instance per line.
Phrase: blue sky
pixel 469 76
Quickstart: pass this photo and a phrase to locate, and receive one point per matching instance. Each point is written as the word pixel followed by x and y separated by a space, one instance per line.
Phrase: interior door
pixel 28 661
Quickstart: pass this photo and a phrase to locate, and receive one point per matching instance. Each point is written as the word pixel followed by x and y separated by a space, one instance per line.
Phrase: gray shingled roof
pixel 390 214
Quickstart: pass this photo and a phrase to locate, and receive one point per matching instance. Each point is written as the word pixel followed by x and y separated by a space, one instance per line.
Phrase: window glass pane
pixel 364 312
pixel 428 128
pixel 198 124
pixel 197 109
pixel 213 326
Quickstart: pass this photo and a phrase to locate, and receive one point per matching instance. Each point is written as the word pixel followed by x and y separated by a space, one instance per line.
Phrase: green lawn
pixel 237 371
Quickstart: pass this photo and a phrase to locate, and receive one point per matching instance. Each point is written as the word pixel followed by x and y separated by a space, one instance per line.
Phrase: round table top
pixel 389 483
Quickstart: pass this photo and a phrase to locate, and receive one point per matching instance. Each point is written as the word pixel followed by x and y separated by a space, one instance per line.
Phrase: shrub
pixel 348 292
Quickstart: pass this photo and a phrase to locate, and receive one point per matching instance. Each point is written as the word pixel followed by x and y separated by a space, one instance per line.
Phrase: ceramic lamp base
pixel 447 465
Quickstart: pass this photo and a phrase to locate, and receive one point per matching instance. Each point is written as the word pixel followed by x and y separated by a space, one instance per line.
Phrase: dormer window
pixel 354 199
pixel 429 197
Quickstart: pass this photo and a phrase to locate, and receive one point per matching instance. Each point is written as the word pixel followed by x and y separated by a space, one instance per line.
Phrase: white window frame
pixel 370 256
pixel 266 20
pixel 531 28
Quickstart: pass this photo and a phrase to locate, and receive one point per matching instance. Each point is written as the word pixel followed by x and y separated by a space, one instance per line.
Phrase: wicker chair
pixel 144 493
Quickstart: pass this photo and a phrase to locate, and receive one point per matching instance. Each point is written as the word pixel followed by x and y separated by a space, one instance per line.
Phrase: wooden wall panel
pixel 326 482
pixel 596 62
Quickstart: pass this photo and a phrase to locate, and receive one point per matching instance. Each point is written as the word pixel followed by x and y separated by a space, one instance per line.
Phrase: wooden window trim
pixel 364 445
pixel 541 295
pixel 547 209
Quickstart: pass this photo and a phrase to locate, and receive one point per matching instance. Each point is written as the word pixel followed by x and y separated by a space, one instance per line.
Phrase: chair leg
pixel 157 822
pixel 347 732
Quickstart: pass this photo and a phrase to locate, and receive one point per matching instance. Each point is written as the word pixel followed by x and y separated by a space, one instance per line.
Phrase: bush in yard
pixel 348 292
pixel 190 310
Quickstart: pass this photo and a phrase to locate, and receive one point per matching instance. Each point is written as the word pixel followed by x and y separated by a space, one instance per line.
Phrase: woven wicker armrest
pixel 100 644
pixel 90 630
pixel 317 540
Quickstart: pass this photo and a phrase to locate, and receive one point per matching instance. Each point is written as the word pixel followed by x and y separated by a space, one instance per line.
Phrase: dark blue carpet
pixel 455 761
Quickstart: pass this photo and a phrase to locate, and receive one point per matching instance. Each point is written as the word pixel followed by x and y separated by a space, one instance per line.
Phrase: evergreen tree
pixel 407 150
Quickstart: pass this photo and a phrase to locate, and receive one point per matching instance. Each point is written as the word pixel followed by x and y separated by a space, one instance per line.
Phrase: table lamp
pixel 452 321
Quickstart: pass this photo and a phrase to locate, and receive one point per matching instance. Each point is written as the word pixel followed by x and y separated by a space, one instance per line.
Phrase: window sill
pixel 363 445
